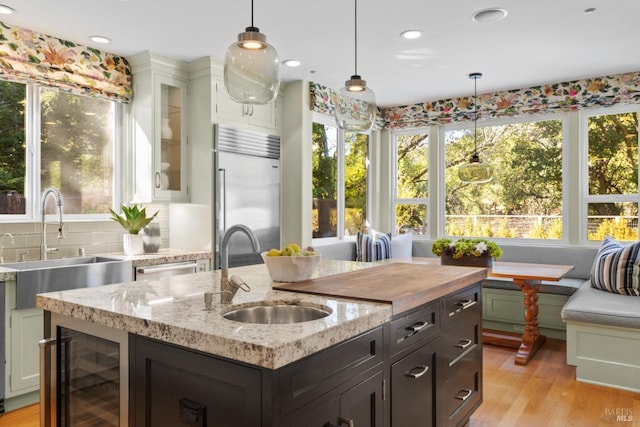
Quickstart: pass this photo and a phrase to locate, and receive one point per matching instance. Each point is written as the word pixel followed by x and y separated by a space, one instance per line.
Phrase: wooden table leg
pixel 531 339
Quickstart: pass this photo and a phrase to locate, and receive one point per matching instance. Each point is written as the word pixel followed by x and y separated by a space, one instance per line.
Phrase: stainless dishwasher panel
pixel 165 270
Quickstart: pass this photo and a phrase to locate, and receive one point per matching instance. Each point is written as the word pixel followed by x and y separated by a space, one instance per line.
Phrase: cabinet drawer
pixel 466 301
pixel 313 376
pixel 462 394
pixel 460 340
pixel 417 326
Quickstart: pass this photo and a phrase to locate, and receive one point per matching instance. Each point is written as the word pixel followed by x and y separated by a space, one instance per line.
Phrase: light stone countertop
pixel 172 310
pixel 163 256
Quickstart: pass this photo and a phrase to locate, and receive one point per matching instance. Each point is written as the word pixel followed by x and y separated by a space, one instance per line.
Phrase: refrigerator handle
pixel 223 198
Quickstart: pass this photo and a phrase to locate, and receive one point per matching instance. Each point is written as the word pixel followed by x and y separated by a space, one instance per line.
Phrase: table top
pixel 518 270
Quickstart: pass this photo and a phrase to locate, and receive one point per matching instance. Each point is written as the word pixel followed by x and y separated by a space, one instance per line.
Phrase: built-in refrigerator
pixel 247 191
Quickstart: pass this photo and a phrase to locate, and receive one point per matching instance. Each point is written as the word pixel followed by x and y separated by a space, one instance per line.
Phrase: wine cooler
pixel 84 375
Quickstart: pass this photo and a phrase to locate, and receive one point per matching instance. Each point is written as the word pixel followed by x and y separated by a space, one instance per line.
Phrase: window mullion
pixel 340 191
pixel 33 160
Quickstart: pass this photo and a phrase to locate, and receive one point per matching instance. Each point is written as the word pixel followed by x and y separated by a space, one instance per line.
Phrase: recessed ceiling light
pixel 590 10
pixel 100 39
pixel 6 10
pixel 411 34
pixel 292 63
pixel 493 14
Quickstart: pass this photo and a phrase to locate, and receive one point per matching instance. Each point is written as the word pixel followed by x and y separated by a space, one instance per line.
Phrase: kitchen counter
pixel 172 309
pixel 163 256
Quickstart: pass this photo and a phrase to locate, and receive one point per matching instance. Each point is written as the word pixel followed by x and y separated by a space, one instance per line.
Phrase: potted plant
pixel 467 252
pixel 133 219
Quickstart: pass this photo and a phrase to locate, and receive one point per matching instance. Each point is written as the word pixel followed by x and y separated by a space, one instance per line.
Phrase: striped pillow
pixel 616 268
pixel 373 247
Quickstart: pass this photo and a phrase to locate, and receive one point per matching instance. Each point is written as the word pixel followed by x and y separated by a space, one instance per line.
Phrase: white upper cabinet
pixel 160 141
pixel 258 117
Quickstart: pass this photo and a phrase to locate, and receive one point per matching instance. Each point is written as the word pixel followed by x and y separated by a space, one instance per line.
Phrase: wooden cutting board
pixel 405 286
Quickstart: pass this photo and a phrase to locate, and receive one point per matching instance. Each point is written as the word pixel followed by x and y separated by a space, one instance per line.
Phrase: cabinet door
pixel 170 150
pixel 177 387
pixel 413 388
pixel 362 405
pixel 26 331
pixel 228 111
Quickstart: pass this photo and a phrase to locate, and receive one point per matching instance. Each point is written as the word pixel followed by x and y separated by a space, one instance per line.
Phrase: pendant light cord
pixel 252 13
pixel 355 26
pixel 475 115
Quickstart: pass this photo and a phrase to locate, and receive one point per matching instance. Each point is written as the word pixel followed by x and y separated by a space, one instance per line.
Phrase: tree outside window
pixel 524 198
pixel 411 190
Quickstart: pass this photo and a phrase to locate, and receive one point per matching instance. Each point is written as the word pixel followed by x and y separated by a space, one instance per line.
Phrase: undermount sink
pixel 35 277
pixel 277 313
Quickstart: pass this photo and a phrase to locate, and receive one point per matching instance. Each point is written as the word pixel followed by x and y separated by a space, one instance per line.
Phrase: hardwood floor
pixel 542 393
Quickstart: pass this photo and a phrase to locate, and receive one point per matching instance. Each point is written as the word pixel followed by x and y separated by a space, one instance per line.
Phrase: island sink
pixel 277 314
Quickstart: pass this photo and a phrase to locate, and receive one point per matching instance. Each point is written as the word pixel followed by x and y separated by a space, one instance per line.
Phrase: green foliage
pixel 466 247
pixel 616 228
pixel 133 218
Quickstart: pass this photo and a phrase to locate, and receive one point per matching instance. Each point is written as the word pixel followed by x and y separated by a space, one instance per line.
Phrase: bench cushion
pixel 590 305
pixel 616 268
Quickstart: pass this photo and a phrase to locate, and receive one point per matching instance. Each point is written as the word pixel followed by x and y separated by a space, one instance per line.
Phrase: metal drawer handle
pixel 464 394
pixel 464 343
pixel 422 370
pixel 45 380
pixel 467 303
pixel 347 421
pixel 418 326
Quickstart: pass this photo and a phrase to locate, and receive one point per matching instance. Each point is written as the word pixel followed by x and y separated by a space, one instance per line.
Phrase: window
pixel 340 181
pixel 524 199
pixel 411 189
pixel 612 174
pixel 56 139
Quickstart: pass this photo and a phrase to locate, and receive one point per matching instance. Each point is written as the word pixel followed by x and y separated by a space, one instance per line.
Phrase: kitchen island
pixel 187 364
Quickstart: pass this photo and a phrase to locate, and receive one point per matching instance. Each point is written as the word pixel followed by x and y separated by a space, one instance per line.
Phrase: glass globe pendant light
pixel 475 172
pixel 355 108
pixel 252 68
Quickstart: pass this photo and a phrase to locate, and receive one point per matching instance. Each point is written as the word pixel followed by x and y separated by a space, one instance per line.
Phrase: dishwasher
pixel 151 272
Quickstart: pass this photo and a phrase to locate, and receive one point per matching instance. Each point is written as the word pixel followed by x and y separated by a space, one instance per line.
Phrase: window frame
pixel 340 180
pixel 33 190
pixel 395 201
pixel 585 197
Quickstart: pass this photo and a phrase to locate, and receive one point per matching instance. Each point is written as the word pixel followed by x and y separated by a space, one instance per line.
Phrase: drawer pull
pixel 348 421
pixel 464 343
pixel 418 326
pixel 421 370
pixel 464 394
pixel 467 303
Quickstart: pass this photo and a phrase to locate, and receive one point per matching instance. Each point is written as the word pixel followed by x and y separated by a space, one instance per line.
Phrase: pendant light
pixel 251 68
pixel 355 108
pixel 475 172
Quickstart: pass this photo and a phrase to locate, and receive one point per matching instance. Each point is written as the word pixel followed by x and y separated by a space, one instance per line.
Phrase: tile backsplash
pixel 95 237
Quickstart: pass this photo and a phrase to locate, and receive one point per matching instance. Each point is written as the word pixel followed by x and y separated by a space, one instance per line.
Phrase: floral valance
pixel 323 100
pixel 27 56
pixel 567 96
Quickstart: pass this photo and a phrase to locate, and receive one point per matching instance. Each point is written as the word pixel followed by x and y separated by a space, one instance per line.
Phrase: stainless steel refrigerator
pixel 247 191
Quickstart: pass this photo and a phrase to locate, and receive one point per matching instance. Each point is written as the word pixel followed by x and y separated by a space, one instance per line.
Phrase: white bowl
pixel 290 268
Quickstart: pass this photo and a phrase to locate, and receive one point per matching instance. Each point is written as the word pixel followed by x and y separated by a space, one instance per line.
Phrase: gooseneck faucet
pixel 13 243
pixel 43 225
pixel 228 292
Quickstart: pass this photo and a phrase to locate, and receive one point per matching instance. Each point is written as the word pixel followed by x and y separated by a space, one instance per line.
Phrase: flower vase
pixel 165 129
pixel 483 260
pixel 132 244
pixel 151 238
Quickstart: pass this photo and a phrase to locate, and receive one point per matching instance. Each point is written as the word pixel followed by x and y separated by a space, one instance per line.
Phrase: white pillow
pixel 401 245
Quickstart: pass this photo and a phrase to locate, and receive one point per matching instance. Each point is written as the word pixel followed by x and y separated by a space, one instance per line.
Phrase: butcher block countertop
pixel 403 285
pixel 360 296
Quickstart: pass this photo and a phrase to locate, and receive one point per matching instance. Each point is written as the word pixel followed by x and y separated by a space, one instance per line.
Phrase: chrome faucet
pixel 13 243
pixel 228 292
pixel 44 250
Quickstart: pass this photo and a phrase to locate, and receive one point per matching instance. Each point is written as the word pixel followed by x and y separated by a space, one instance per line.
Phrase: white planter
pixel 132 244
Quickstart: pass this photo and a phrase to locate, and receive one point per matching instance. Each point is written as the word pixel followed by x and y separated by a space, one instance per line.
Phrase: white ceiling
pixel 541 41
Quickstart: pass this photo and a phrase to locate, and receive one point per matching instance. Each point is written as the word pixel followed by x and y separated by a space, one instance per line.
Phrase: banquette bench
pixel 602 329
